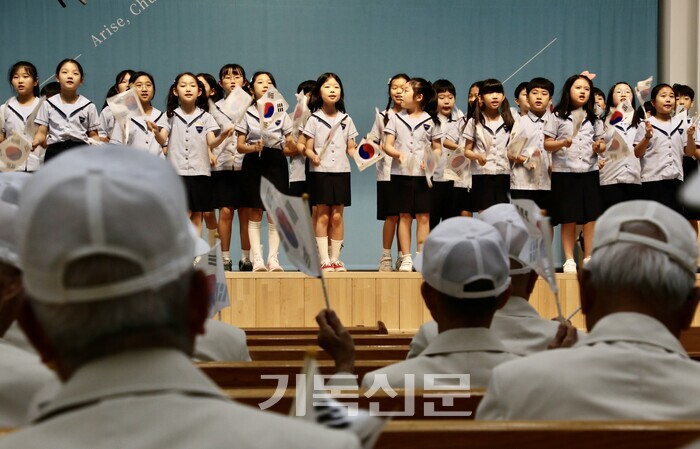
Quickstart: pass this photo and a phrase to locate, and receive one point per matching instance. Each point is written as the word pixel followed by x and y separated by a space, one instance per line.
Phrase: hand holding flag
pixel 14 151
pixel 430 162
pixel 31 127
pixel 125 106
pixel 457 163
pixel 367 154
pixel 643 92
pixel 617 149
pixel 300 115
pixel 236 103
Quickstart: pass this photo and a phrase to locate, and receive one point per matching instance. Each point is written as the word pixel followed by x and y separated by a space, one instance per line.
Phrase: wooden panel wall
pixel 359 298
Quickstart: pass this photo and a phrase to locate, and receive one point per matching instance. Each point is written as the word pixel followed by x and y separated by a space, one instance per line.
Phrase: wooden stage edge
pixel 361 298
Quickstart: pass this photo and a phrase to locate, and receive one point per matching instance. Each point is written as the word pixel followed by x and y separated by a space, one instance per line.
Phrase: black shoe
pixel 245 265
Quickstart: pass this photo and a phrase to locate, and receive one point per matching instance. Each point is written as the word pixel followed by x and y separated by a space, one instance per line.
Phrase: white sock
pixel 273 239
pixel 386 252
pixel 254 235
pixel 211 236
pixel 322 243
pixel 335 249
pixel 245 254
pixel 400 256
pixel 226 255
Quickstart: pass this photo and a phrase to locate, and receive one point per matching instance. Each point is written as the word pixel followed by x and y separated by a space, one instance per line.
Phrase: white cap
pixel 112 201
pixel 11 184
pixel 460 251
pixel 680 241
pixel 506 219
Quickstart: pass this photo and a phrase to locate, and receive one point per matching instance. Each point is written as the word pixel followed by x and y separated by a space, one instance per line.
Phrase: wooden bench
pixel 460 433
pixel 311 340
pixel 249 374
pixel 390 353
pixel 380 329
pixel 450 434
pixel 462 407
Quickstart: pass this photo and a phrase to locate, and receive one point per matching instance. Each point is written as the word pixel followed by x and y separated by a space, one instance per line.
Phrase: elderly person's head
pixel 11 295
pixel 107 252
pixel 644 260
pixel 465 270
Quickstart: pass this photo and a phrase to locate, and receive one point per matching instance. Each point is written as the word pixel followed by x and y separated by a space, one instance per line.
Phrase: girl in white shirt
pixel 660 143
pixel 147 133
pixel 386 210
pixel 191 135
pixel 575 194
pixel 17 109
pixel 330 169
pixel 264 156
pixel 67 119
pixel 408 135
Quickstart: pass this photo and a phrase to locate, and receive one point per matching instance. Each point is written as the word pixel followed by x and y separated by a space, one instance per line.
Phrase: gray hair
pixel 79 332
pixel 642 271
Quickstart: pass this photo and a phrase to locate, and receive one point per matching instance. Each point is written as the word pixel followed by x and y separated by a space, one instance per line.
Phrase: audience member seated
pixel 637 295
pixel 115 306
pixel 464 265
pixel 517 324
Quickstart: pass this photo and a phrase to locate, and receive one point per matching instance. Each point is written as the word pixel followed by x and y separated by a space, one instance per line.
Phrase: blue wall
pixel 365 42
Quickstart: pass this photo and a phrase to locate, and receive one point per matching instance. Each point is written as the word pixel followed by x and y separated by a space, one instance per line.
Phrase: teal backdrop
pixel 365 42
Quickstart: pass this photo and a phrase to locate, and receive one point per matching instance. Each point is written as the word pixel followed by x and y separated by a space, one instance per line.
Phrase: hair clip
pixel 588 75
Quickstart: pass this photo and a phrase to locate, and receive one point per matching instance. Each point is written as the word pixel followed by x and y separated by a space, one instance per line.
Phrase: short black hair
pixel 443 85
pixel 541 83
pixel 519 89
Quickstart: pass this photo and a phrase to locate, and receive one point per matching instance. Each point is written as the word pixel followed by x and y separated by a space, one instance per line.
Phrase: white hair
pixel 81 331
pixel 641 271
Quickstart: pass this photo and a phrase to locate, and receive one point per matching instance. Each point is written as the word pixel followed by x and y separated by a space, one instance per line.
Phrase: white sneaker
pixel 398 263
pixel 586 260
pixel 569 266
pixel 327 266
pixel 338 266
pixel 385 264
pixel 406 264
pixel 258 264
pixel 273 264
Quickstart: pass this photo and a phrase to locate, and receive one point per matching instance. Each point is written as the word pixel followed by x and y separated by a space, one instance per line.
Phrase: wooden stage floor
pixel 360 298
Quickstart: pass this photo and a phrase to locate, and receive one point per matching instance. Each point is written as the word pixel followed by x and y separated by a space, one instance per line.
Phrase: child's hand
pixel 649 130
pixel 601 164
pixel 482 159
pixel 520 159
pixel 691 131
pixel 152 126
pixel 422 165
pixel 212 159
pixel 258 146
pixel 228 133
pixel 567 142
pixel 401 158
pixel 316 160
pixel 36 142
pixel 599 146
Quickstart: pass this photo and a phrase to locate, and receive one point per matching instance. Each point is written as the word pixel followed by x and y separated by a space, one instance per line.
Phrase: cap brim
pixel 201 247
pixel 690 192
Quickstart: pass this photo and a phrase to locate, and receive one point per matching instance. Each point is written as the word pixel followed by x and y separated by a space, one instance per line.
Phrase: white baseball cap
pixel 506 219
pixel 11 184
pixel 112 201
pixel 680 241
pixel 460 251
